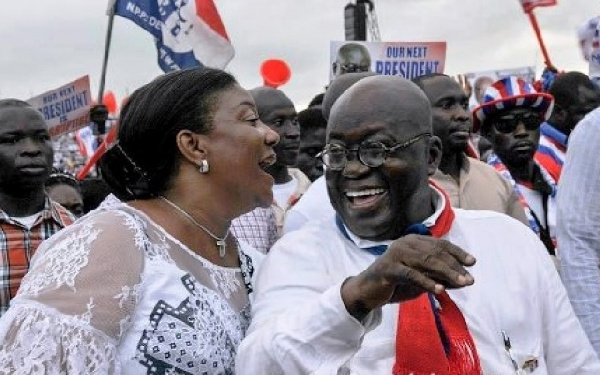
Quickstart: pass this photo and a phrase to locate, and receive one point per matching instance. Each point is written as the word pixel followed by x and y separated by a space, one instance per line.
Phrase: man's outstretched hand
pixel 412 265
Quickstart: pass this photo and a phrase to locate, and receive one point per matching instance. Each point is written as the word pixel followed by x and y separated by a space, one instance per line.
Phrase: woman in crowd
pixel 153 284
pixel 64 189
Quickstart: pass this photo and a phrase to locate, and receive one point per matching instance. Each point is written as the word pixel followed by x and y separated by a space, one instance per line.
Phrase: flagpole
pixel 538 34
pixel 111 18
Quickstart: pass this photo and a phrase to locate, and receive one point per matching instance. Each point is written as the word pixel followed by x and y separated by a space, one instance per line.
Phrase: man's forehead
pixel 277 110
pixel 384 99
pixel 269 99
pixel 442 86
pixel 12 114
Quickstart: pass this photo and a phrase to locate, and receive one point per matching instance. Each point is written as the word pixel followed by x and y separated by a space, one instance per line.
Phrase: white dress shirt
pixel 300 324
pixel 313 205
pixel 578 227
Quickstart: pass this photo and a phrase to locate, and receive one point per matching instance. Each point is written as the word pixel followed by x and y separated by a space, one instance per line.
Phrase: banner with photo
pixel 405 59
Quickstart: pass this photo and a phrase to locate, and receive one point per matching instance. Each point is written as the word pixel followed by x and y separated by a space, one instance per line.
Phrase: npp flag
pixel 86 141
pixel 188 33
pixel 529 5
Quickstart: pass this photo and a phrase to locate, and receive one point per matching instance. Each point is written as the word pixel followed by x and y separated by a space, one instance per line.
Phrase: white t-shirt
pixel 314 205
pixel 534 200
pixel 282 192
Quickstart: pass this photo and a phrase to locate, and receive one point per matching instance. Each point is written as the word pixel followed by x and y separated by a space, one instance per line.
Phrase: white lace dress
pixel 116 294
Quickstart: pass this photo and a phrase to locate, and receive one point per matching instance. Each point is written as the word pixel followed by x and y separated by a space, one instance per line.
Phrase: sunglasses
pixel 508 123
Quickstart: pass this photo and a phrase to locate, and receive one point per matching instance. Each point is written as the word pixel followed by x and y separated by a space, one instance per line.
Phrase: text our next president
pixel 405 59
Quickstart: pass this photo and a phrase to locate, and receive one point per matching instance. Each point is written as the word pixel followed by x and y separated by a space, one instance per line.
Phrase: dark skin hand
pixel 412 265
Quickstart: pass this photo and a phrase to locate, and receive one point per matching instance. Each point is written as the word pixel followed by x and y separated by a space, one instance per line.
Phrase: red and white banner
pixel 66 108
pixel 529 5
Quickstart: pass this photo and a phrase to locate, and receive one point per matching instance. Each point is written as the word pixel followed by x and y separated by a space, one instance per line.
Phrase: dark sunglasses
pixel 508 123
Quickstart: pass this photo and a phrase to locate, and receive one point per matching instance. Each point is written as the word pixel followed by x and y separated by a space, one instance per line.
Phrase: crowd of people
pixel 386 228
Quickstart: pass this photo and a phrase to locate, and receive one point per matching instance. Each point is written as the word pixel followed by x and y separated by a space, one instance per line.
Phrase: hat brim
pixel 541 101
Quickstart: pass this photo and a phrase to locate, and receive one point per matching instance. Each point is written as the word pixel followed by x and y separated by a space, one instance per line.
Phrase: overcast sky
pixel 45 44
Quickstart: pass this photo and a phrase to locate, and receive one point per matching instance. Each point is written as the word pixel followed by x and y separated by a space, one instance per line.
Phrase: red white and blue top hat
pixel 511 92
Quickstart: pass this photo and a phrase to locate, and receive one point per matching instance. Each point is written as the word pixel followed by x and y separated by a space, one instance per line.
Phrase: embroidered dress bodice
pixel 116 294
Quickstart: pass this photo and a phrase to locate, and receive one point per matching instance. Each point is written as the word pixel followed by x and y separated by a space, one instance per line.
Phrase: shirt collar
pixel 50 210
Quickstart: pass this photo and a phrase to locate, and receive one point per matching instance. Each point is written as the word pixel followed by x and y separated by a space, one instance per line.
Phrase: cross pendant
pixel 222 247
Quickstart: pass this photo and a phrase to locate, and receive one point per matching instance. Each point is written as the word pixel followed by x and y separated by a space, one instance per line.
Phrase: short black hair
pixel 14 103
pixel 317 100
pixel 311 118
pixel 565 88
pixel 58 177
pixel 145 158
pixel 338 86
pixel 420 79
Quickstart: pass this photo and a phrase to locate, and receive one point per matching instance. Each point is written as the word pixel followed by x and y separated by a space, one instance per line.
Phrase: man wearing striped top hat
pixel 510 118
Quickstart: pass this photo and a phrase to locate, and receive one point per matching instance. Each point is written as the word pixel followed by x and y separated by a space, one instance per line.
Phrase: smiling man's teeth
pixel 363 193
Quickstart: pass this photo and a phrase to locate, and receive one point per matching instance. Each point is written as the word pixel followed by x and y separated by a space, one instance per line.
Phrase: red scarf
pixel 420 347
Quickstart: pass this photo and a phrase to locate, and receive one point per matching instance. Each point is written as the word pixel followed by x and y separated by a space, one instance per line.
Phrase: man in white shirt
pixel 358 293
pixel 257 227
pixel 578 226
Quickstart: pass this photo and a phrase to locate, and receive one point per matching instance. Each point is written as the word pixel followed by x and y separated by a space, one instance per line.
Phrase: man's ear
pixel 435 154
pixel 192 146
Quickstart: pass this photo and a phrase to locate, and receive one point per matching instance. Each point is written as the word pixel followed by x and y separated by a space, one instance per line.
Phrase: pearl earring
pixel 204 168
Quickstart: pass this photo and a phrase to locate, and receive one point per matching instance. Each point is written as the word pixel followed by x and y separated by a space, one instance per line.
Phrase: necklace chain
pixel 221 244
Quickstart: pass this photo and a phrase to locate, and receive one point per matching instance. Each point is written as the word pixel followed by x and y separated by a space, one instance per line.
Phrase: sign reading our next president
pixel 405 59
pixel 66 108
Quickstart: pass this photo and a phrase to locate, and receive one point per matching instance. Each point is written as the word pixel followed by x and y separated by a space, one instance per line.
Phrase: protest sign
pixel 405 59
pixel 66 108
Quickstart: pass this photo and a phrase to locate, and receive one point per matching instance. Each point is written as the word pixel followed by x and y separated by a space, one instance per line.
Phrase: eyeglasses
pixel 508 124
pixel 371 154
pixel 353 68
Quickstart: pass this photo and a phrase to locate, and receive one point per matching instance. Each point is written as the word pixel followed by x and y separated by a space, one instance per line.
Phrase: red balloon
pixel 275 72
pixel 110 102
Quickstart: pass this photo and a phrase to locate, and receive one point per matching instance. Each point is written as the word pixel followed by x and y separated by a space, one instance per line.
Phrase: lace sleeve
pixel 76 301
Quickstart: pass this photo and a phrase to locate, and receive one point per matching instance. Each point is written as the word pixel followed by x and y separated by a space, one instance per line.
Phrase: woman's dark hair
pixel 145 159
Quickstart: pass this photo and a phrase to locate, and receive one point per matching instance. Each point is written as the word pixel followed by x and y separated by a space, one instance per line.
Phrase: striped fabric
pixel 18 244
pixel 552 150
pixel 511 92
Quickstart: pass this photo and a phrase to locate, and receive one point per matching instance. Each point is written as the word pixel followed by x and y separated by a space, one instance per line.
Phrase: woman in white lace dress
pixel 153 283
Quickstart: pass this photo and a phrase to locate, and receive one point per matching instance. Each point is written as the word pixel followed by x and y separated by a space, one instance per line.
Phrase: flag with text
pixel 188 33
